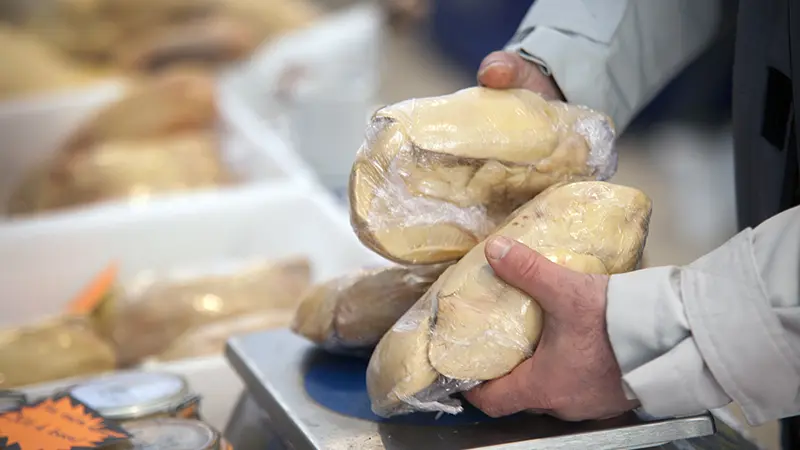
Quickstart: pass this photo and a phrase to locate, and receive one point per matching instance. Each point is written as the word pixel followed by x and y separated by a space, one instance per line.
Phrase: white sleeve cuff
pixel 737 349
pixel 615 55
pixel 740 337
pixel 676 384
pixel 645 315
pixel 649 333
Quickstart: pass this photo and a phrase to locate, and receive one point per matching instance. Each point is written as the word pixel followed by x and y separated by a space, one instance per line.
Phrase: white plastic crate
pixel 317 87
pixel 32 129
pixel 46 262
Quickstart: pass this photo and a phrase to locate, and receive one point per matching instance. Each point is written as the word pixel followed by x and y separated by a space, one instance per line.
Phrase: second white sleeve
pixel 615 55
pixel 724 328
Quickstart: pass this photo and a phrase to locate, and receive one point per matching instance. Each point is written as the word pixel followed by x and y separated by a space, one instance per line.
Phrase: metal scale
pixel 308 399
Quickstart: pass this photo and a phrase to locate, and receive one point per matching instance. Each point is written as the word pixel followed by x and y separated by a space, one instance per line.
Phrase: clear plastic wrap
pixel 436 175
pixel 210 339
pixel 471 326
pixel 159 138
pixel 58 348
pixel 351 313
pixel 155 313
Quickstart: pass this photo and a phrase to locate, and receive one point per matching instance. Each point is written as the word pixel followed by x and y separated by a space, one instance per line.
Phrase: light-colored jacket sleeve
pixel 615 55
pixel 724 328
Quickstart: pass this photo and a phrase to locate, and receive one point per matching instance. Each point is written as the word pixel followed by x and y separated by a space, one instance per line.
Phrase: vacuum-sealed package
pixel 435 176
pixel 155 313
pixel 210 339
pixel 471 326
pixel 351 313
pixel 58 348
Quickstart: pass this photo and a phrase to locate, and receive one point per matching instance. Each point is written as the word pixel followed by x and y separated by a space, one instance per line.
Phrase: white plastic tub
pixel 32 129
pixel 317 87
pixel 46 262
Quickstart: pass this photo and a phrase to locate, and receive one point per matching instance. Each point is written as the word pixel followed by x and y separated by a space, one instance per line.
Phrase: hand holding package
pixel 472 327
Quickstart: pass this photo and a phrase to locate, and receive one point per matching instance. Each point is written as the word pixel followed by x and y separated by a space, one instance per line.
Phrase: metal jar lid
pixel 172 434
pixel 11 400
pixel 132 395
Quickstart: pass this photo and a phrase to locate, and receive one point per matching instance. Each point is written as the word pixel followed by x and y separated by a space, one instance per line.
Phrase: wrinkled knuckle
pixel 529 267
pixel 584 296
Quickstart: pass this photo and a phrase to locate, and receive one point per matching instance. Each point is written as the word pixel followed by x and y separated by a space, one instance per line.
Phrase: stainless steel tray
pixel 273 366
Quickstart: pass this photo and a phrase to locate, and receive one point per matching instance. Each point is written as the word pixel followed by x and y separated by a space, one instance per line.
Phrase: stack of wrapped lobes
pixel 433 180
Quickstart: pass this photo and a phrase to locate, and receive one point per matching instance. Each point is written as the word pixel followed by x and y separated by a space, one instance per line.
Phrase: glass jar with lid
pixel 172 434
pixel 137 395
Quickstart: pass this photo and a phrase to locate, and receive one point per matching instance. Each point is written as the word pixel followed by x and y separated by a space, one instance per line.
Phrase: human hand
pixel 506 70
pixel 573 374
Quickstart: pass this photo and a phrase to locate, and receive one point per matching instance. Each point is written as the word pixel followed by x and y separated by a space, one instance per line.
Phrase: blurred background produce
pixel 157 138
pixel 83 39
pixel 157 314
pixel 156 317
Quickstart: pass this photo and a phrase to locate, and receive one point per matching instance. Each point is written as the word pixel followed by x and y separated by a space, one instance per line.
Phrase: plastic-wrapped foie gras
pixel 472 327
pixel 351 313
pixel 436 175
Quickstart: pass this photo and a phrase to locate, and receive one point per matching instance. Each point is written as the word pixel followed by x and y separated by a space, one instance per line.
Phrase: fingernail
pixel 498 247
pixel 487 66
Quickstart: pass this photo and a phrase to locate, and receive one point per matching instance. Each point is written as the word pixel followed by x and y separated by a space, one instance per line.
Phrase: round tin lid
pixel 130 395
pixel 172 434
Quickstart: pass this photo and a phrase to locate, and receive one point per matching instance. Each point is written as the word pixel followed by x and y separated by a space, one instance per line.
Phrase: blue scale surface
pixel 340 384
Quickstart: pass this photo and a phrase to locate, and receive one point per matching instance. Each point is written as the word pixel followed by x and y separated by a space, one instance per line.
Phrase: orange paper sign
pixel 60 423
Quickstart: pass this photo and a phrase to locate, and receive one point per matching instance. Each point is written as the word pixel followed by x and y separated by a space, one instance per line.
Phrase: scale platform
pixel 315 400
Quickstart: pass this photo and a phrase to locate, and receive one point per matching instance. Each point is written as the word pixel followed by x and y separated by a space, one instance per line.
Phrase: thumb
pixel 504 70
pixel 532 273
